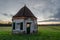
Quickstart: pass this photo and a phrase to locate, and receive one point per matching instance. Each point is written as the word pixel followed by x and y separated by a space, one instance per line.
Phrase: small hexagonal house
pixel 24 22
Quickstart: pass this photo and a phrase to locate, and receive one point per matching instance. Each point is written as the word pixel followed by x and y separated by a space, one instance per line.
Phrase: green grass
pixel 44 33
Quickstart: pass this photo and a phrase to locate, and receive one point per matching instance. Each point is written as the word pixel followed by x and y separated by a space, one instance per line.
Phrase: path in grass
pixel 44 33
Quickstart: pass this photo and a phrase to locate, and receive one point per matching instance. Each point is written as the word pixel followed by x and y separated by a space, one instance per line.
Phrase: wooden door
pixel 28 28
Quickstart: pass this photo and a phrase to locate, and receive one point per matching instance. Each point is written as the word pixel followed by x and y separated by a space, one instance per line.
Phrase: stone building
pixel 24 22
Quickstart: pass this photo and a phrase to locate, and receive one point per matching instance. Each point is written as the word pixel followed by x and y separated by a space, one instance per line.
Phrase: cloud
pixel 57 15
pixel 43 9
pixel 7 15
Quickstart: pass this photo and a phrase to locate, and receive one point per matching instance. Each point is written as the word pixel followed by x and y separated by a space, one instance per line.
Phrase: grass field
pixel 44 33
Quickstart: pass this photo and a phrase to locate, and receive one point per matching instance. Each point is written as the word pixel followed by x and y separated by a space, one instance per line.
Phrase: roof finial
pixel 25 5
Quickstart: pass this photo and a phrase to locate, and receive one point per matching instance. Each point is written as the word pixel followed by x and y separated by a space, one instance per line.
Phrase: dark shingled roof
pixel 24 12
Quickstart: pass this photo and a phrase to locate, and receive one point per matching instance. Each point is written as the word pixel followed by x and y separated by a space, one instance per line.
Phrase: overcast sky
pixel 42 9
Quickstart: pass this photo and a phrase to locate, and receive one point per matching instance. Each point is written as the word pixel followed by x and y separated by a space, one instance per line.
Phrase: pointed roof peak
pixel 24 12
pixel 25 5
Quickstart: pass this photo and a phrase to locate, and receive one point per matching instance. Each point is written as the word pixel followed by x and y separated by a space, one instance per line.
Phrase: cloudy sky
pixel 42 9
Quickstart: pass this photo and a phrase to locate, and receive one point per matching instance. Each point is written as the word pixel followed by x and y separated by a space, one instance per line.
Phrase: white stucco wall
pixel 17 27
pixel 35 25
pixel 32 24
